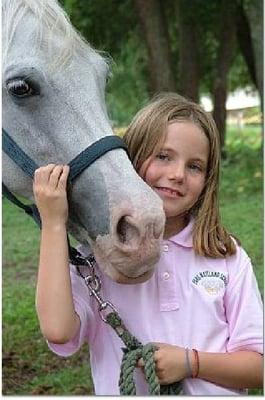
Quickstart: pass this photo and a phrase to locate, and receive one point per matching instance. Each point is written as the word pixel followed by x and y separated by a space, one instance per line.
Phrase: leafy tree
pixel 128 90
pixel 189 49
pixel 105 24
pixel 226 37
pixel 254 13
pixel 172 45
pixel 155 31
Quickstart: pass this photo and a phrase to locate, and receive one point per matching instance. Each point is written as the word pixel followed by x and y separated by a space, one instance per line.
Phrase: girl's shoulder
pixel 240 257
pixel 239 265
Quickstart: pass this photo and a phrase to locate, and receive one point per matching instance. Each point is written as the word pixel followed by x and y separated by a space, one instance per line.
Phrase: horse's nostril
pixel 127 232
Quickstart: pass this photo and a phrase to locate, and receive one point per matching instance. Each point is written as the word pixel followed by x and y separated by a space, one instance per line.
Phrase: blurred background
pixel 210 51
pixel 206 50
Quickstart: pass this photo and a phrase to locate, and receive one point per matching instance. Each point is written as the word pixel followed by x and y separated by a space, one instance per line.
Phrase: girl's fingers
pixel 63 178
pixel 140 363
pixel 55 176
pixel 52 175
pixel 42 174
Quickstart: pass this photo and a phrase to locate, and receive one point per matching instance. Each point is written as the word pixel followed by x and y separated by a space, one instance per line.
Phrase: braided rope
pixel 128 365
pixel 129 361
pixel 149 368
pixel 133 351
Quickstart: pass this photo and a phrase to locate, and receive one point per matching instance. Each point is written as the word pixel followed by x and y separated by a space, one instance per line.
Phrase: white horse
pixel 54 107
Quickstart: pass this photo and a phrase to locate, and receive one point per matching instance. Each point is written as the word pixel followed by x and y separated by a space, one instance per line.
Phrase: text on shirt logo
pixel 212 281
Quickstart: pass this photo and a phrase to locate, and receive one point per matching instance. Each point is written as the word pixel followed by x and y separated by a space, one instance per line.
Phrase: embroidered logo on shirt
pixel 212 281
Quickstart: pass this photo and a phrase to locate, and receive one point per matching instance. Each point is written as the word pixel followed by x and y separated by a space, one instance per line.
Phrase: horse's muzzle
pixel 129 253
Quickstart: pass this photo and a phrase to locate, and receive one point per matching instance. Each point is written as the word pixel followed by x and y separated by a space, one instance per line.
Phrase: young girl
pixel 201 307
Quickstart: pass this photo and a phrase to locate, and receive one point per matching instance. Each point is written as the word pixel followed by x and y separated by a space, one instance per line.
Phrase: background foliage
pixel 115 27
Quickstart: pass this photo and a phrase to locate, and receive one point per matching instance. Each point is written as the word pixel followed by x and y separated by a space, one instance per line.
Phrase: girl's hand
pixel 170 363
pixel 49 188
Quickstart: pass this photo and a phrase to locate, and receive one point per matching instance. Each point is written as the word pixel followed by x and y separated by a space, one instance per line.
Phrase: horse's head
pixel 54 107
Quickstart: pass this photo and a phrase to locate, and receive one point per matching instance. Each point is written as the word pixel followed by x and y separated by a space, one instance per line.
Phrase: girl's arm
pixel 241 369
pixel 238 370
pixel 54 302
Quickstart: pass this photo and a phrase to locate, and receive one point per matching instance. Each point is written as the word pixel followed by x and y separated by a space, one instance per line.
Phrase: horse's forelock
pixel 52 16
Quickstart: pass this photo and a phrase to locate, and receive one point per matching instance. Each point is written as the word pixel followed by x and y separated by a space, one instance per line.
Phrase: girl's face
pixel 177 172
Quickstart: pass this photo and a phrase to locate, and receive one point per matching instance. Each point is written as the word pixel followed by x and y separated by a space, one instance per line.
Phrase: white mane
pixel 50 15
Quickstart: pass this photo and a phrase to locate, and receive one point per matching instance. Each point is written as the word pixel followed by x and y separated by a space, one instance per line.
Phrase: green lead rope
pixel 133 351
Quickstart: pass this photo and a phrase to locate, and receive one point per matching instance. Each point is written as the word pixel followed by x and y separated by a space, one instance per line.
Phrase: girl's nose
pixel 177 172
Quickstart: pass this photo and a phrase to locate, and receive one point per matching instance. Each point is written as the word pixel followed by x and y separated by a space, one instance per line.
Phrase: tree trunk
pixel 254 11
pixel 225 55
pixel 154 28
pixel 189 60
pixel 245 42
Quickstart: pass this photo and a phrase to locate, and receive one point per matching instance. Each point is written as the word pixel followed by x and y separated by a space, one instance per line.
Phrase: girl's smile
pixel 177 171
pixel 168 192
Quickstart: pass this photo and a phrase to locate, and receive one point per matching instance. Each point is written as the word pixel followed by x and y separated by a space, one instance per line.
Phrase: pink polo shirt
pixel 190 301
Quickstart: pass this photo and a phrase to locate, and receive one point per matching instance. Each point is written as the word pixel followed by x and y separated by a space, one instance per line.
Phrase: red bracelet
pixel 197 364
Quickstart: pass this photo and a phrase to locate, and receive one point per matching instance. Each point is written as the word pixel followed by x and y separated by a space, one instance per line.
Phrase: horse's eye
pixel 21 88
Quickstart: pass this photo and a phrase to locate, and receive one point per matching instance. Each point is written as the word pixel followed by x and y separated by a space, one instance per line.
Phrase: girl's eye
pixel 196 167
pixel 162 156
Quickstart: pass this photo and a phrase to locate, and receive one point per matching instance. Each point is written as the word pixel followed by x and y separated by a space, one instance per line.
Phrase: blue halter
pixel 77 166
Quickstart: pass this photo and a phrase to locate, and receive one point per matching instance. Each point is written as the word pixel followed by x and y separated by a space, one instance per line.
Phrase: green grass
pixel 29 368
pixel 241 193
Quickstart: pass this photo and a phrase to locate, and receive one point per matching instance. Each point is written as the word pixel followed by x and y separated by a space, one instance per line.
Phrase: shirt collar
pixel 184 237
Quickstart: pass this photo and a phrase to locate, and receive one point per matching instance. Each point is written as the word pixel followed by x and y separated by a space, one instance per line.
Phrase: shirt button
pixel 166 276
pixel 165 247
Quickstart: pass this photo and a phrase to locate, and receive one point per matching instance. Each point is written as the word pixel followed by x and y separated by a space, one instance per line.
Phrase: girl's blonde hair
pixel 144 137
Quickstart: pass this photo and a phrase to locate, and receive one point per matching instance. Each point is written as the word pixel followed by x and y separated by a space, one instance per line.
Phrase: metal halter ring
pixel 103 306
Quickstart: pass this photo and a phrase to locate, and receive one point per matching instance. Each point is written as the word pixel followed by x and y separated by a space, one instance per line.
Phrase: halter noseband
pixel 77 166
